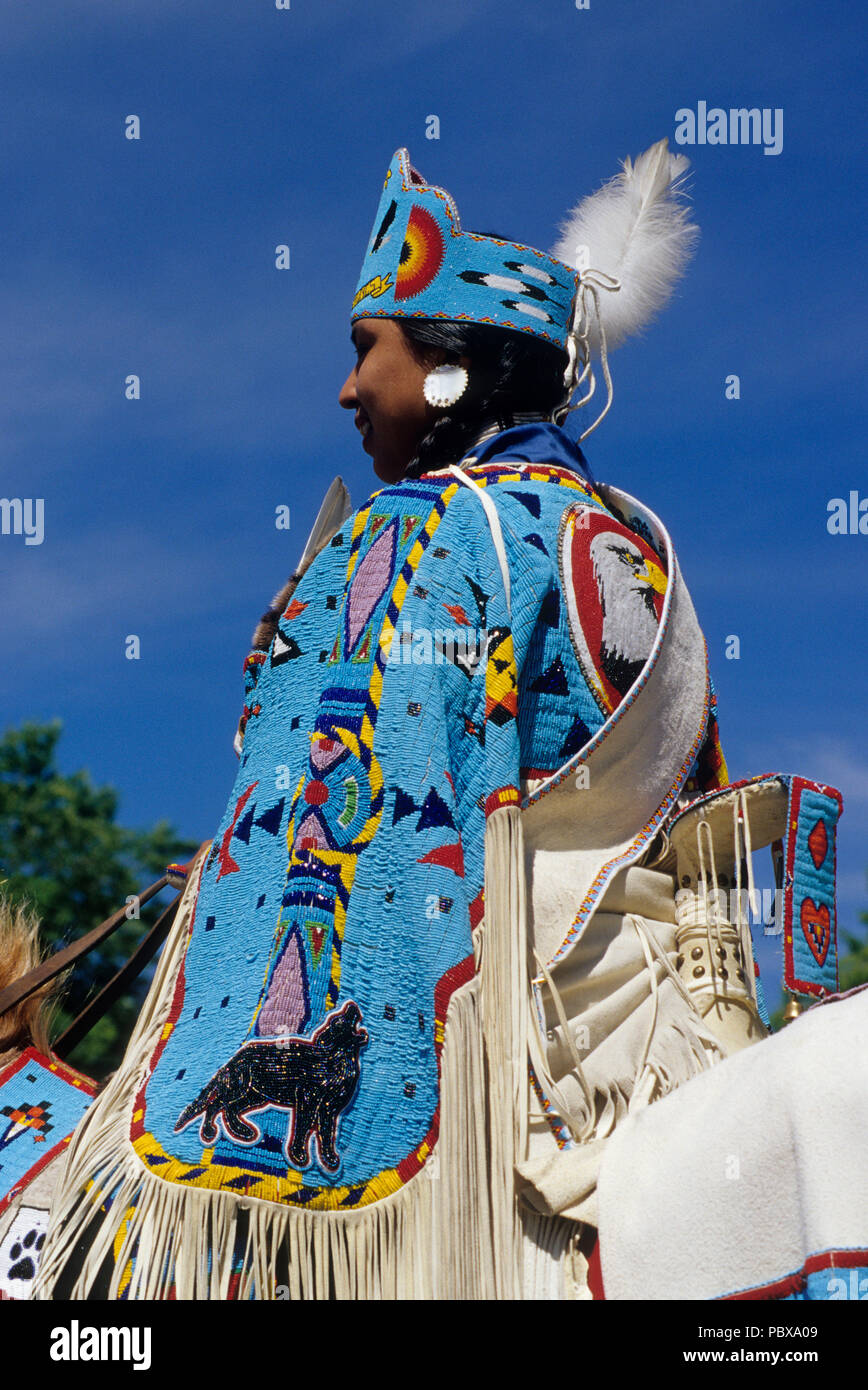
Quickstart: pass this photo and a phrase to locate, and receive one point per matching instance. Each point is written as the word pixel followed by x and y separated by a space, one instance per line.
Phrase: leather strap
pixel 25 986
pixel 129 971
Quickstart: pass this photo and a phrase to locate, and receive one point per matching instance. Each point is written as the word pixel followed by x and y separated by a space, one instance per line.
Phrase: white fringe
pixel 505 978
pixel 679 1051
pixel 454 1231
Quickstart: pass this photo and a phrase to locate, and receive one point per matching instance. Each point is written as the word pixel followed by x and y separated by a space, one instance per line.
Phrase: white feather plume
pixel 636 229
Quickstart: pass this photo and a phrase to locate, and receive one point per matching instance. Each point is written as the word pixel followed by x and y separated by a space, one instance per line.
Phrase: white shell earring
pixel 444 385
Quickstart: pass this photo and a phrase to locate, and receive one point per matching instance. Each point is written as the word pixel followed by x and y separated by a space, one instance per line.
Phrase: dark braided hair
pixel 509 371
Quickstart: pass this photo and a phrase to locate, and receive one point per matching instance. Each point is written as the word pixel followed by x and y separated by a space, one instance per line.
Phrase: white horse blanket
pixel 752 1180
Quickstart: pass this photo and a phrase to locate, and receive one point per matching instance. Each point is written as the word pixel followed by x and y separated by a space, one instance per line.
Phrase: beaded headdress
pixel 420 264
pixel 632 236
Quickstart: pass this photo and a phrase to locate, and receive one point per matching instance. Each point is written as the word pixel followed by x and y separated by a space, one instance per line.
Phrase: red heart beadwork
pixel 816 926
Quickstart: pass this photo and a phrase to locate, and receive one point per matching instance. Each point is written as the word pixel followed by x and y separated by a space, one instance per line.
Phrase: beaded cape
pixel 293 1057
pixel 387 720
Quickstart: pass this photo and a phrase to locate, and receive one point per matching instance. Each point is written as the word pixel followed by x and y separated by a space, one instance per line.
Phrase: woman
pixel 467 721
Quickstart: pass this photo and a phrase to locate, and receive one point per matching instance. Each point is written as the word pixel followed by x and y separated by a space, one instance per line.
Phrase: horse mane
pixel 28 1024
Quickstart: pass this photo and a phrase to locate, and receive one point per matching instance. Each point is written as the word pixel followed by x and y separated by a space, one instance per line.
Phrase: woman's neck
pixel 487 428
pixel 517 417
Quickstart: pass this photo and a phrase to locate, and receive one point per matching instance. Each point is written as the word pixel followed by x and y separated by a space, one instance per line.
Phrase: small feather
pixel 636 229
pixel 335 509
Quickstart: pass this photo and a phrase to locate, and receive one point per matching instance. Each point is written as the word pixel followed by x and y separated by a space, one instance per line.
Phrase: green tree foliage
pixel 854 965
pixel 62 851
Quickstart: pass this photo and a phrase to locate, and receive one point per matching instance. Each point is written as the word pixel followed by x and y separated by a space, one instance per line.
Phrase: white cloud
pixel 835 761
pixel 86 583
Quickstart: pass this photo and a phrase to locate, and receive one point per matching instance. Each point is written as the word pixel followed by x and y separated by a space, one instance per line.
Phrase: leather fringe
pixel 454 1231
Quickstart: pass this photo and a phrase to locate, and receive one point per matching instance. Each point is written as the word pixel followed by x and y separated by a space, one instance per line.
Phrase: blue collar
pixel 537 441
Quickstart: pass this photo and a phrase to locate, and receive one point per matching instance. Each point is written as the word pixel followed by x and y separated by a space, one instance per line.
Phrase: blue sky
pixel 260 127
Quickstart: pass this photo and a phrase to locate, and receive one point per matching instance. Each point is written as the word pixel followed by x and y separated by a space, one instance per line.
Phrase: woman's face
pixel 385 391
